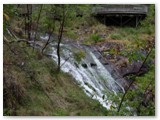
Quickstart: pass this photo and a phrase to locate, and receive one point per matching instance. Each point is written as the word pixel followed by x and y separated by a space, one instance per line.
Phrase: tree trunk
pixel 37 25
pixel 38 21
pixel 47 41
pixel 29 21
pixel 25 24
pixel 59 39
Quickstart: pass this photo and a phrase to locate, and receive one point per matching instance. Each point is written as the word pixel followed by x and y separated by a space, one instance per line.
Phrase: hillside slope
pixel 31 86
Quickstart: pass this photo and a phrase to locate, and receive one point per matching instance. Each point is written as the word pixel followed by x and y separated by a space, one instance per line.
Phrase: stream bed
pixel 90 74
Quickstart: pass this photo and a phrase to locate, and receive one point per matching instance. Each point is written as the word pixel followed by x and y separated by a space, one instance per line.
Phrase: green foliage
pixel 112 51
pixel 95 37
pixel 148 24
pixel 7 112
pixel 79 55
pixel 9 12
pixel 91 21
pixel 60 112
pixel 129 30
pixel 46 22
pixel 136 56
pixel 116 36
pixel 87 42
pixel 10 9
pixel 71 34
pixel 135 96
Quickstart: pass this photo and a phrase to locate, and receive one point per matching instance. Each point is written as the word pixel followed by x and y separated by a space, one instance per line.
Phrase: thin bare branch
pixel 134 80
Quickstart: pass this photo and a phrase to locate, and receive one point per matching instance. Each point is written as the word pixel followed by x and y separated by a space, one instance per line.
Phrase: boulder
pixel 93 64
pixel 84 65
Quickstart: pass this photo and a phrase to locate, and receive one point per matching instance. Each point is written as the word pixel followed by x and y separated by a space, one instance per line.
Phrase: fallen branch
pixel 8 43
pixel 21 40
pixel 16 38
pixel 11 33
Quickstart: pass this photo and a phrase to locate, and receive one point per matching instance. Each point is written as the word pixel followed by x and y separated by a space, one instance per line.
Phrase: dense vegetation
pixel 34 85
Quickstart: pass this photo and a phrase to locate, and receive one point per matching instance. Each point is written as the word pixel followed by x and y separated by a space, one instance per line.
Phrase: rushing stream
pixel 90 73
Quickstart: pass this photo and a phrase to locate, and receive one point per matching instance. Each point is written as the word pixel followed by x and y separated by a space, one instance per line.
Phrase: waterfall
pixel 94 80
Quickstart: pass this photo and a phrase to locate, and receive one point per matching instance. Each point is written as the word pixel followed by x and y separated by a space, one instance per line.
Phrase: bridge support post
pixel 136 21
pixel 104 20
pixel 121 21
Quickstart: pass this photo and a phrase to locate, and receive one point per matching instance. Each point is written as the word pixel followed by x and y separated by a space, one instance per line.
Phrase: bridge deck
pixel 120 15
pixel 120 9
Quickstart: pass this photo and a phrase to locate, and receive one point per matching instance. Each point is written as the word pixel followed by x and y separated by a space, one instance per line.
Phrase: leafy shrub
pixel 60 112
pixel 91 21
pixel 149 23
pixel 116 36
pixel 87 42
pixel 95 38
pixel 79 55
pixel 71 34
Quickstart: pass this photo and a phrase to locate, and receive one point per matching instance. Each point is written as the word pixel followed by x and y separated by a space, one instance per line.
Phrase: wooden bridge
pixel 120 14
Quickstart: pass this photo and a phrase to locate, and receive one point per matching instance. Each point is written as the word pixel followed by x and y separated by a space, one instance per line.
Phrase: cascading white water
pixel 94 80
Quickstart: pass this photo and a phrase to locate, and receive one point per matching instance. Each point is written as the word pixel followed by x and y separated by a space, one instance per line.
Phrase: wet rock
pixel 122 63
pixel 132 69
pixel 84 65
pixel 106 63
pixel 119 57
pixel 86 31
pixel 76 65
pixel 22 64
pixel 93 64
pixel 103 97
